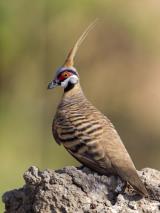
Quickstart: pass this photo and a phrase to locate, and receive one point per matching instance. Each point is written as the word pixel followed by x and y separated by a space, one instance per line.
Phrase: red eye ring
pixel 64 75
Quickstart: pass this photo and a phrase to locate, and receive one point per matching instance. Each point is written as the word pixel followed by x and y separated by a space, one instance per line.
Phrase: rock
pixel 80 190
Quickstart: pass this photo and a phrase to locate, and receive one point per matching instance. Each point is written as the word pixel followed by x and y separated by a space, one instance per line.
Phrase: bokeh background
pixel 119 65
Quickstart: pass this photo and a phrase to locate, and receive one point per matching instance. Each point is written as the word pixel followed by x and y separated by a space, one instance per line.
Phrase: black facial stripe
pixel 69 87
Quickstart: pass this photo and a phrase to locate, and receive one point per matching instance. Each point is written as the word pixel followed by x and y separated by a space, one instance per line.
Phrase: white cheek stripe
pixel 73 79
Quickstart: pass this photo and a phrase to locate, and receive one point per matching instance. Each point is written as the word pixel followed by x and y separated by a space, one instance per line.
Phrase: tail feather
pixel 131 176
pixel 138 185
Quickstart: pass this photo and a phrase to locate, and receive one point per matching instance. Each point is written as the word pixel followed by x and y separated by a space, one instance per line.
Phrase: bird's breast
pixel 79 128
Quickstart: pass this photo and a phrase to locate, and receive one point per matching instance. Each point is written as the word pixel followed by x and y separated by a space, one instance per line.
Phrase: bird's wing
pixel 81 138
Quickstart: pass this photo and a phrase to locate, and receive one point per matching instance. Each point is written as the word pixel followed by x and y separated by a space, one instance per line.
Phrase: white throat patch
pixel 73 79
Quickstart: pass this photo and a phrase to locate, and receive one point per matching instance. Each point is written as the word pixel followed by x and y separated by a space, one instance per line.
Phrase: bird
pixel 87 134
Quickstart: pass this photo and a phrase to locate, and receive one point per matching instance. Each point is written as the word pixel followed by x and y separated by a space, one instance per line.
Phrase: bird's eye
pixel 66 74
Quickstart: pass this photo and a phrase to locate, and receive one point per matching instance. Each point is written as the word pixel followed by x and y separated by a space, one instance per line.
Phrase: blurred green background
pixel 119 65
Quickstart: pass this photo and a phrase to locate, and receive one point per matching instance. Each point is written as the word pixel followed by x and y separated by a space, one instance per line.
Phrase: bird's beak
pixel 52 84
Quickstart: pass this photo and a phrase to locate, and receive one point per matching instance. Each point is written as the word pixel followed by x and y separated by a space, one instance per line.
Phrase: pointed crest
pixel 69 62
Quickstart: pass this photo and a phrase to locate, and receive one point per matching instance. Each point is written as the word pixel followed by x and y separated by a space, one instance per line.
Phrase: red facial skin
pixel 64 75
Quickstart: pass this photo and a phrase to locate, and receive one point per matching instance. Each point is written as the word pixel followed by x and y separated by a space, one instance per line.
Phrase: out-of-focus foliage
pixel 119 67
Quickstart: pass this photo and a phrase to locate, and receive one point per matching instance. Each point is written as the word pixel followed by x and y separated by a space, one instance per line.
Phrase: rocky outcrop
pixel 80 190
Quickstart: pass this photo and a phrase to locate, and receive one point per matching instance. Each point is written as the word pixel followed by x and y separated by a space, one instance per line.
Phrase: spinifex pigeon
pixel 85 132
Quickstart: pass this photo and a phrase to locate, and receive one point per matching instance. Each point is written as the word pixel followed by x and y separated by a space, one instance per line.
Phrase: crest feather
pixel 69 62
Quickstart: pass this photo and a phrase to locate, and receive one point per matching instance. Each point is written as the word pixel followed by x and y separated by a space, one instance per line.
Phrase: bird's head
pixel 67 75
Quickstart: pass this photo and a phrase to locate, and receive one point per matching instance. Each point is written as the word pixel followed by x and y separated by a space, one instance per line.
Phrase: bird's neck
pixel 73 90
pixel 73 96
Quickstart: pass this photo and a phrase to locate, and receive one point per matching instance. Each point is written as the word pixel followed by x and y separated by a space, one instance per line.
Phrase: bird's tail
pixel 131 176
pixel 138 185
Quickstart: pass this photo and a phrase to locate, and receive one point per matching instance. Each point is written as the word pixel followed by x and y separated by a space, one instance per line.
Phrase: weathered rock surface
pixel 80 190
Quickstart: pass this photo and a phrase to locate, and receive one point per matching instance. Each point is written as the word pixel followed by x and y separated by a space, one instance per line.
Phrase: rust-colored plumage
pixel 85 132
